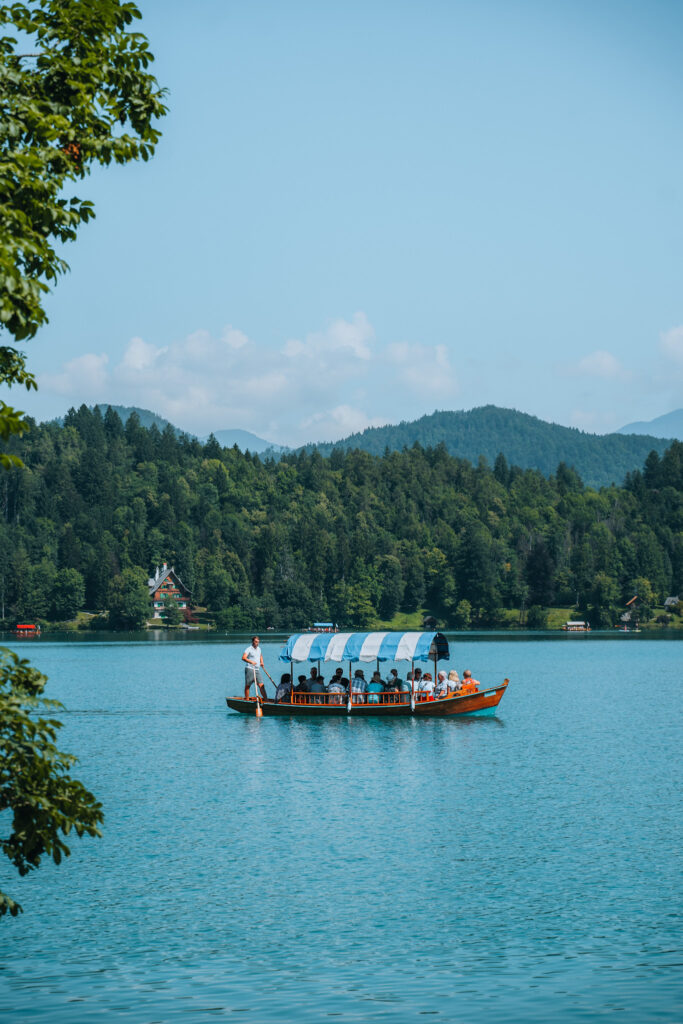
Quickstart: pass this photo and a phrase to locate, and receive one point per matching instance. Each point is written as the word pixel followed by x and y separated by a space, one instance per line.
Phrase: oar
pixel 273 681
pixel 259 709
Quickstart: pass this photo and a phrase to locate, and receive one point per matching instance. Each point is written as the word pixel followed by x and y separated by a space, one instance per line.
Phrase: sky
pixel 361 212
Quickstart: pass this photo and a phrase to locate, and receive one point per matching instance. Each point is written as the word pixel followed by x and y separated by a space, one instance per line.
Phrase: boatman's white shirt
pixel 253 656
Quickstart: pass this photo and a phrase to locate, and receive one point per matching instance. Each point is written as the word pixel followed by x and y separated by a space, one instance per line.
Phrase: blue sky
pixel 361 212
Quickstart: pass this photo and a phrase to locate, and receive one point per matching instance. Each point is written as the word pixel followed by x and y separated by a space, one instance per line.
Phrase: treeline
pixel 352 537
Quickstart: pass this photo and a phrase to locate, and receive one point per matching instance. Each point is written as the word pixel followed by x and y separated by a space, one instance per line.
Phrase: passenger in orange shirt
pixel 469 685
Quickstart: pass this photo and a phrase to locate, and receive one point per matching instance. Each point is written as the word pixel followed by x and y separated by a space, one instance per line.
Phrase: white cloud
pixel 601 364
pixel 671 344
pixel 234 338
pixel 139 355
pixel 339 422
pixel 342 337
pixel 326 385
pixel 424 368
pixel 87 374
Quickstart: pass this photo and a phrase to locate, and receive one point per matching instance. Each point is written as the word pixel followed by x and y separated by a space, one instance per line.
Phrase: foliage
pixel 75 91
pixel 172 613
pixel 84 97
pixel 44 802
pixel 463 615
pixel 350 538
pixel 67 595
pixel 129 606
pixel 537 617
pixel 647 599
pixel 603 598
pixel 12 422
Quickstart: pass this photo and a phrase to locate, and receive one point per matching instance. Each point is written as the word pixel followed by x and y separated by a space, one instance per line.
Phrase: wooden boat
pixel 368 647
pixel 27 629
pixel 576 626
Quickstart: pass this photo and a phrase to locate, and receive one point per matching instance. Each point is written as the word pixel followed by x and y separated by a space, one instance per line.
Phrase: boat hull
pixel 486 701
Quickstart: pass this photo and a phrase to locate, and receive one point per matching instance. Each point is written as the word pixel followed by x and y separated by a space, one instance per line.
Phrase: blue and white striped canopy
pixel 365 647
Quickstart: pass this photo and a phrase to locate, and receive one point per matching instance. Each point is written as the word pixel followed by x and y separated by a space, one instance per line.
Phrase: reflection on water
pixel 517 868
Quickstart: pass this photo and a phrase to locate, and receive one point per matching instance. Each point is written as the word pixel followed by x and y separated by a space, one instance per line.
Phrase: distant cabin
pixel 167 584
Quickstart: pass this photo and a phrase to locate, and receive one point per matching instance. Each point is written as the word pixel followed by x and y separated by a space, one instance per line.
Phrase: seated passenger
pixel 316 684
pixel 336 688
pixel 336 678
pixel 358 686
pixel 392 686
pixel 453 681
pixel 416 678
pixel 302 685
pixel 393 681
pixel 402 685
pixel 284 688
pixel 427 686
pixel 469 685
pixel 375 687
pixel 441 688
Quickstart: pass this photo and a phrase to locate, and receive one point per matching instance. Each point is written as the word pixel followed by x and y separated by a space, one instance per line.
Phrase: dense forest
pixel 526 441
pixel 351 537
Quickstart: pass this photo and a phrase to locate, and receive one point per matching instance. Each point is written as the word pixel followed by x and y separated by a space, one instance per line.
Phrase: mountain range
pixel 524 440
pixel 669 425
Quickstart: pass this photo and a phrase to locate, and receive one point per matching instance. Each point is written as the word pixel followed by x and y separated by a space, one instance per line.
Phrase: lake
pixel 519 868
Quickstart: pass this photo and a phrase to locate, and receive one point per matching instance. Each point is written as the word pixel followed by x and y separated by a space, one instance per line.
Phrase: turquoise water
pixel 520 868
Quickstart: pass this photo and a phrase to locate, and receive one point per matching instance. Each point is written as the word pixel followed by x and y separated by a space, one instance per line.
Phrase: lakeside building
pixel 166 585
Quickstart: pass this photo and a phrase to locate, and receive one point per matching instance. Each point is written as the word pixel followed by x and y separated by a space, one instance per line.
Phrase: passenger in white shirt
pixel 416 676
pixel 441 688
pixel 427 685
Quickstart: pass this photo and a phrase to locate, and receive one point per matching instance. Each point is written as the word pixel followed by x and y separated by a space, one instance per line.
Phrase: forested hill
pixel 524 440
pixel 146 416
pixel 351 538
pixel 244 439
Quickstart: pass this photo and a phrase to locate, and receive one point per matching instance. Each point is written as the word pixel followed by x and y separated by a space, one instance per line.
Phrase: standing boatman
pixel 253 659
